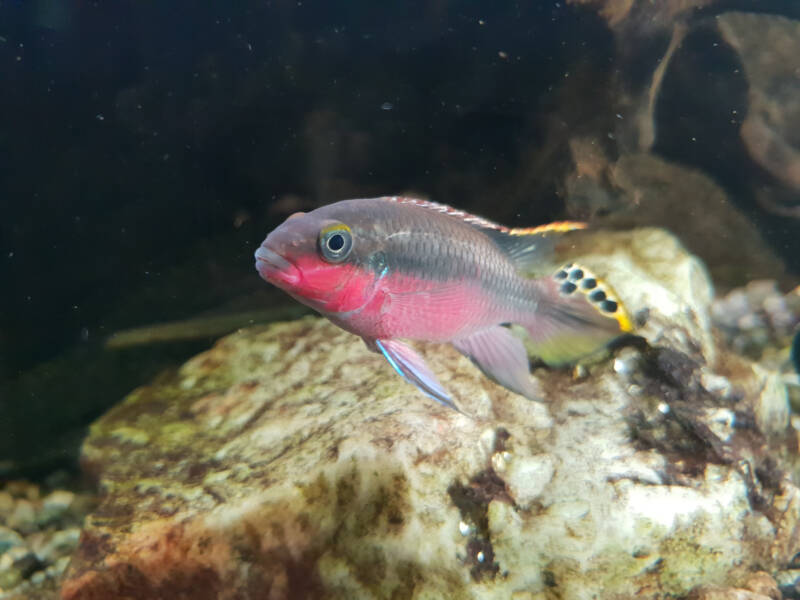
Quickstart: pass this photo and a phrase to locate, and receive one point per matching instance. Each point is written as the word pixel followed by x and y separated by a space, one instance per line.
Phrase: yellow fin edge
pixel 606 302
pixel 557 227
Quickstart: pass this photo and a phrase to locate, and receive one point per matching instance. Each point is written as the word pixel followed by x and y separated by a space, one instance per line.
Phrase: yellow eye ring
pixel 335 242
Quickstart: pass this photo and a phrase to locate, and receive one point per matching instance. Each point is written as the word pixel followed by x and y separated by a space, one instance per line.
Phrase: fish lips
pixel 275 269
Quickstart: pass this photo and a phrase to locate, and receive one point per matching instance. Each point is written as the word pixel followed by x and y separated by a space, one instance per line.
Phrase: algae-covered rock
pixel 290 462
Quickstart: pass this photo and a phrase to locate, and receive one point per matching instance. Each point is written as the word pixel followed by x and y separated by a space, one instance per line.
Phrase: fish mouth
pixel 274 268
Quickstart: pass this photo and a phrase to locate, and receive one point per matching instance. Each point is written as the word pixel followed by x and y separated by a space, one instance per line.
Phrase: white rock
pixel 527 477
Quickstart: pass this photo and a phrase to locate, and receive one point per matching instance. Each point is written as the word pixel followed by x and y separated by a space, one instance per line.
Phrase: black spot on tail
pixel 597 296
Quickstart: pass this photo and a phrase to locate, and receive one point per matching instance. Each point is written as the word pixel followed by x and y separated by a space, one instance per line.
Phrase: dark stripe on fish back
pixel 433 245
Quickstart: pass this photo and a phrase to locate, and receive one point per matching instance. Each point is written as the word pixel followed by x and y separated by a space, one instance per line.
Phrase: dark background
pixel 146 148
pixel 133 131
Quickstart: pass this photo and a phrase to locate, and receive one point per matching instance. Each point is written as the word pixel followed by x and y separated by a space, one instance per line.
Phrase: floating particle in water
pixel 100 117
pixel 502 55
pixel 387 106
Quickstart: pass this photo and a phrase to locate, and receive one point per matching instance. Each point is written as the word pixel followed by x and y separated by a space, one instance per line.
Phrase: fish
pixel 795 352
pixel 394 269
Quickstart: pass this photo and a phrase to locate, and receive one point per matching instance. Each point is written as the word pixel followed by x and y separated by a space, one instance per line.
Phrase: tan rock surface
pixel 289 462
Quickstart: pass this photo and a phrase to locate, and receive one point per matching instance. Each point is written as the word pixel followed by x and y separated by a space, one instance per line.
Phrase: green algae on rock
pixel 290 462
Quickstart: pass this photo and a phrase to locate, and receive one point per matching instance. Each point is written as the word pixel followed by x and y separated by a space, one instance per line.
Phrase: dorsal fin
pixel 530 248
pixel 471 219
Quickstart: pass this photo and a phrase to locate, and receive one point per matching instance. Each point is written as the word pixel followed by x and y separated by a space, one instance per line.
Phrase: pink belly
pixel 404 307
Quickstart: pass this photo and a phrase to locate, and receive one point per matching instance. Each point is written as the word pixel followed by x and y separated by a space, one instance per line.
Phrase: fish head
pixel 320 259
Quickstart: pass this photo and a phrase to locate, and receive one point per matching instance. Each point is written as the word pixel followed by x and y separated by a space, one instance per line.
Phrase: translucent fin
pixel 502 357
pixel 577 315
pixel 411 366
pixel 532 247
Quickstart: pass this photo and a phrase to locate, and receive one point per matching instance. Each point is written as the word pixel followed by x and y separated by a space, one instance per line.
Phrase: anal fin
pixel 502 357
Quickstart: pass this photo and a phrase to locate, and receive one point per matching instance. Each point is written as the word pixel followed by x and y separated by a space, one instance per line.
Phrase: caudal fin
pixel 577 315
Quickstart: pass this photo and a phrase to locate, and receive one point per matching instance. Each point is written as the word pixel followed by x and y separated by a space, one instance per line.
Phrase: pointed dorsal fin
pixel 468 218
pixel 531 249
pixel 483 223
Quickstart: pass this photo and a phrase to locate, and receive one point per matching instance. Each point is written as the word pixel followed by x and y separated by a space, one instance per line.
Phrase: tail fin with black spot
pixel 577 314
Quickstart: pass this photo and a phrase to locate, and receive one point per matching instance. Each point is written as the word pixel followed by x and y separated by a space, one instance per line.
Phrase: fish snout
pixel 275 268
pixel 277 258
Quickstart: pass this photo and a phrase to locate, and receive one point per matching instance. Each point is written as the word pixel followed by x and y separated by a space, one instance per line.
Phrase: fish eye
pixel 335 242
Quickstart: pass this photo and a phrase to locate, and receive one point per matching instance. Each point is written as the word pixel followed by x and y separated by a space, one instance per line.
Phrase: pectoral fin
pixel 502 357
pixel 411 366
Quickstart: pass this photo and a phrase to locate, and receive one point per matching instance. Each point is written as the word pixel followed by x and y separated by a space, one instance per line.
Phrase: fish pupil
pixel 336 242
